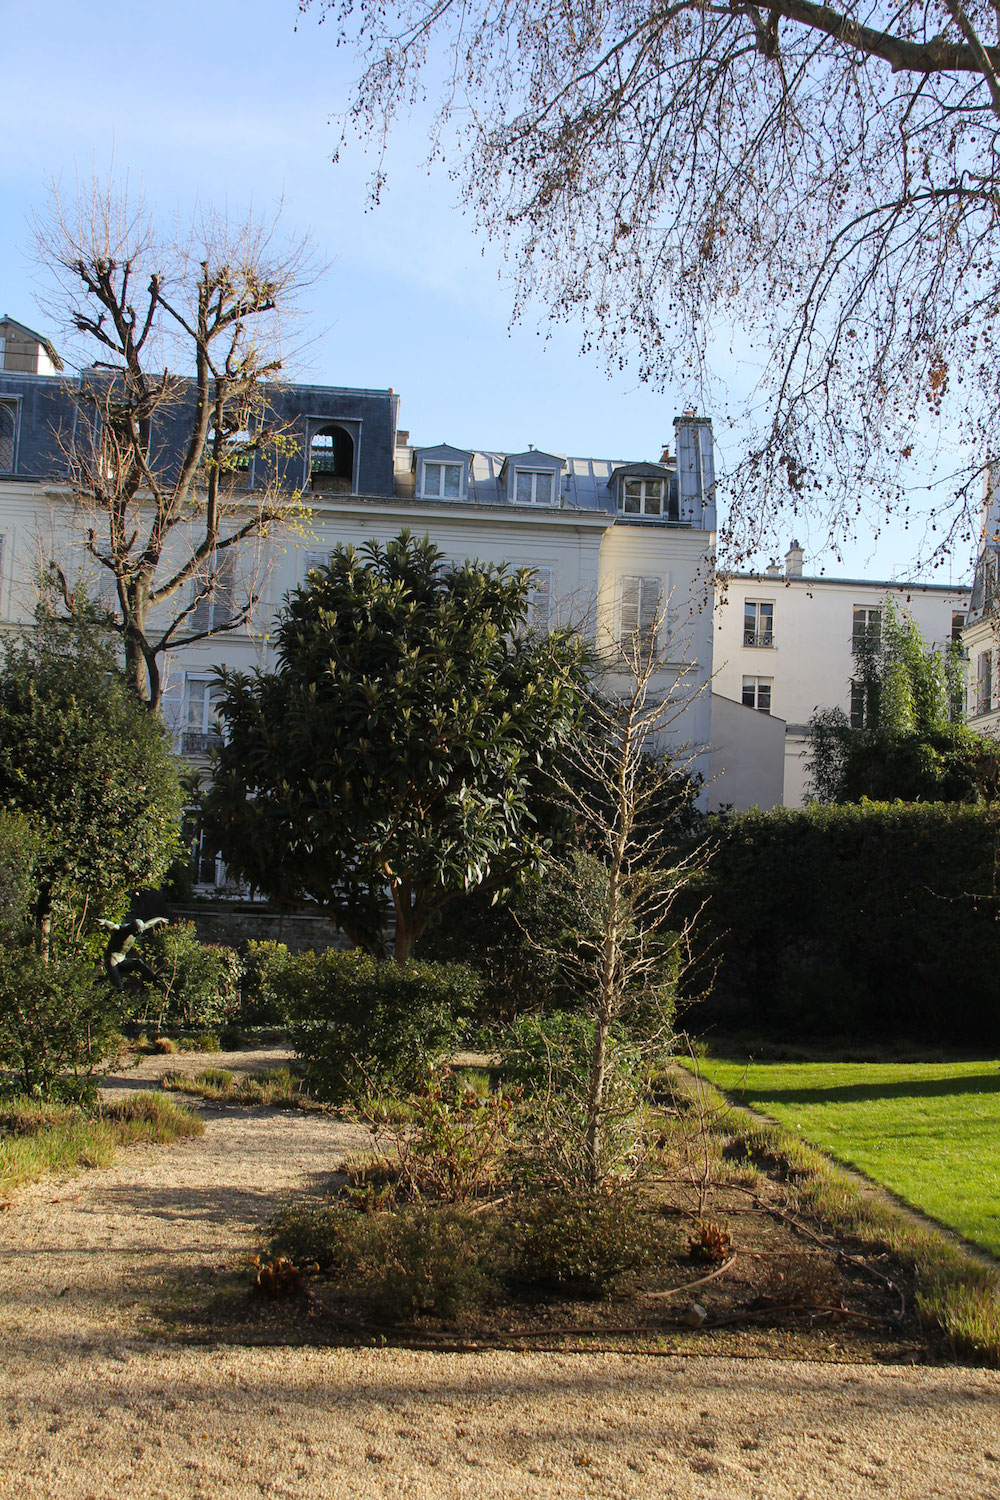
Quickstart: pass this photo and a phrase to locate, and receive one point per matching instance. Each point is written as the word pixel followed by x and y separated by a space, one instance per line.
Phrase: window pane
pixel 749 692
pixel 452 479
pixel 633 496
pixel 523 489
pixel 432 479
pixel 654 496
pixel 543 489
pixel 764 695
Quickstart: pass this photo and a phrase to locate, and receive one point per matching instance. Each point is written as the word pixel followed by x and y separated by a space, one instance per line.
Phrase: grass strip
pixel 927 1131
pixel 957 1294
pixel 39 1138
pixel 276 1086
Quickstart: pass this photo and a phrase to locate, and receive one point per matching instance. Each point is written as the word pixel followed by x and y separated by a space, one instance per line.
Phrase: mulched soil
pixel 788 1287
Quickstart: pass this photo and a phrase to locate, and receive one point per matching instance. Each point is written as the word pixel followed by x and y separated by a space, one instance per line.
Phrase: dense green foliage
pixel 18 854
pixel 361 1025
pixel 870 920
pixel 53 1016
pixel 91 770
pixel 908 745
pixel 398 743
pixel 928 1131
pixel 198 981
pixel 518 942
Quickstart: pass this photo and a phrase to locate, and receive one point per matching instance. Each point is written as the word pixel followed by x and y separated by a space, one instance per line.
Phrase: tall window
pixel 8 434
pixel 984 682
pixel 757 693
pixel 206 865
pixel 533 487
pixel 215 595
pixel 758 623
pixel 331 460
pixel 642 497
pixel 867 628
pixel 641 608
pixel 957 626
pixel 442 481
pixel 540 599
pixel 201 728
pixel 864 705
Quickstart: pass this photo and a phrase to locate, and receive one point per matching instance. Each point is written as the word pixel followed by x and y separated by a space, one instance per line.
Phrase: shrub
pixel 18 853
pixel 447 1146
pixel 548 1058
pixel 414 1262
pixel 199 979
pixel 53 1016
pixel 264 983
pixel 582 1245
pixel 360 1025
pixel 520 942
pixel 872 921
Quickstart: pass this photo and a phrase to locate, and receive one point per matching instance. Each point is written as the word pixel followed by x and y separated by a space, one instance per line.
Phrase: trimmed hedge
pixel 361 1025
pixel 875 920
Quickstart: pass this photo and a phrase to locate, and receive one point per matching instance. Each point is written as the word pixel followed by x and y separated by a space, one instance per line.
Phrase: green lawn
pixel 928 1131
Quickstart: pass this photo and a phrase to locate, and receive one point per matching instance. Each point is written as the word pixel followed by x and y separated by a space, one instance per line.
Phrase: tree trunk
pixel 43 922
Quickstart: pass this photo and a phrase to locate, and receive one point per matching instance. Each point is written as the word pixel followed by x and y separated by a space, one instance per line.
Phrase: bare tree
pixel 619 777
pixel 817 186
pixel 171 413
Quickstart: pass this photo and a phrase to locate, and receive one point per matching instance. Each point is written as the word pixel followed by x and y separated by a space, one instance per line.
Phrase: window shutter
pixel 631 591
pixel 649 609
pixel 541 599
pixel 200 617
pixel 316 560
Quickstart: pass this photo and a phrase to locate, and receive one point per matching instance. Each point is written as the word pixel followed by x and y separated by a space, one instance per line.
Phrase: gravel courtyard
pixel 95 1402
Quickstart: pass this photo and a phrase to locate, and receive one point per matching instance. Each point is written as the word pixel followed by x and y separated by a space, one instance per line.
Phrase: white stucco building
pixel 786 642
pixel 616 546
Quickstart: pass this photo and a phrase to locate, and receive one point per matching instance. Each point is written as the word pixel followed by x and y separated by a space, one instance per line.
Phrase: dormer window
pixel 442 481
pixel 534 487
pixel 331 460
pixel 8 434
pixel 642 497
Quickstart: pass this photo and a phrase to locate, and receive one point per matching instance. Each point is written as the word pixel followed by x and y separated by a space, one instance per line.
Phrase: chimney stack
pixel 773 569
pixel 793 561
pixel 695 470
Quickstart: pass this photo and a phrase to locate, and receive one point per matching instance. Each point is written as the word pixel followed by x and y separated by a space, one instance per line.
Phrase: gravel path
pixel 94 1404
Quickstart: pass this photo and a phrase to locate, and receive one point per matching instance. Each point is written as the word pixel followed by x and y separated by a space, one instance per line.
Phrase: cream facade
pixel 786 645
pixel 617 548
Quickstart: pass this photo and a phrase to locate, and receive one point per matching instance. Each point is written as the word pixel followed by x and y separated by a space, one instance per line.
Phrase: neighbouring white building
pixel 786 644
pixel 980 634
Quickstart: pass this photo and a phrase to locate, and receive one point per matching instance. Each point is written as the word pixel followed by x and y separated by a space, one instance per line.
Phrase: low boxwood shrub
pixel 583 1245
pixel 264 983
pixel 363 1026
pixel 54 1017
pixel 199 980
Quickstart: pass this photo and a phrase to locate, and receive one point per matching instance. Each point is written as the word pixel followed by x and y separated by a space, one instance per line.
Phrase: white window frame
pixel 758 688
pixel 984 682
pixel 870 626
pixel 643 498
pixel 441 464
pixel 200 727
pixel 535 475
pixel 639 620
pixel 758 635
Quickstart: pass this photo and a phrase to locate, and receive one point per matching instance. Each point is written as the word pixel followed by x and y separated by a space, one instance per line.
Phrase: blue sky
pixel 229 105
